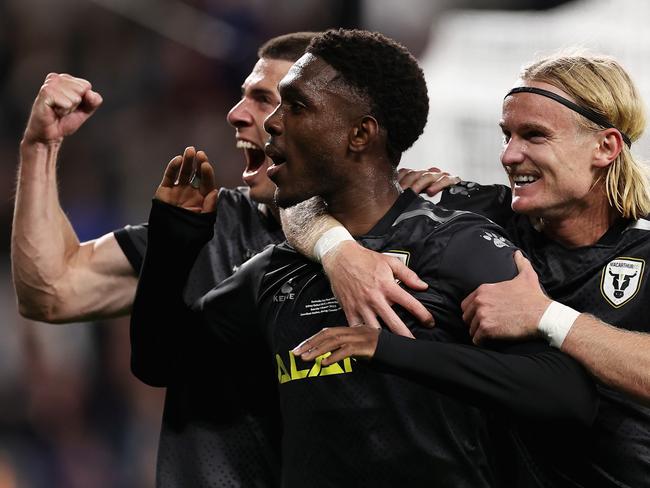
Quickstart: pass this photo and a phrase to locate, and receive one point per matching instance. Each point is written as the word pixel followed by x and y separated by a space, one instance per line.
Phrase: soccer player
pixel 209 437
pixel 349 107
pixel 578 207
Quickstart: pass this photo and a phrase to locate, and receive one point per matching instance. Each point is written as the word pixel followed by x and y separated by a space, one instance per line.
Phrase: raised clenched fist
pixel 62 105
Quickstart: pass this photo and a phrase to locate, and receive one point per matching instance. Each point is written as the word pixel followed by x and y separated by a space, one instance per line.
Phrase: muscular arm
pixel 57 278
pixel 617 357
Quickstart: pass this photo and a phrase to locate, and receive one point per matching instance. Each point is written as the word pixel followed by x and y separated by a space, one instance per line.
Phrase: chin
pixel 262 194
pixel 520 206
pixel 282 200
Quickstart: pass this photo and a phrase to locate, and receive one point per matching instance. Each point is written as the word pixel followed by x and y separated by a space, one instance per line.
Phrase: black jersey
pixel 225 437
pixel 355 423
pixel 609 280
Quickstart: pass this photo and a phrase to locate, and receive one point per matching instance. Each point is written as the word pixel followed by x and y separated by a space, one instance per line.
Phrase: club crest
pixel 621 279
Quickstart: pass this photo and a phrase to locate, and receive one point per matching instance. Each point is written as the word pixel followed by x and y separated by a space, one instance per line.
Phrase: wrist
pixel 556 322
pixel 28 144
pixel 330 240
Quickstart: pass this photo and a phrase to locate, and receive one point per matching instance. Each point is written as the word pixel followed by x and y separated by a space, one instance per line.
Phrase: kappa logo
pixel 285 293
pixel 498 241
pixel 464 188
pixel 621 279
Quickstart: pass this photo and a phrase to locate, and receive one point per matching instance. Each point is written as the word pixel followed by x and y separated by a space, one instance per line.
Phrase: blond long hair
pixel 601 84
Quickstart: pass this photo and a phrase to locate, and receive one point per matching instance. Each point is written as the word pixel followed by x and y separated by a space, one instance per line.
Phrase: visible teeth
pixel 247 145
pixel 524 178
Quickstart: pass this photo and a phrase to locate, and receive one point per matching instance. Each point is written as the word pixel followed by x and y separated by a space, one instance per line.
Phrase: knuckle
pixel 46 89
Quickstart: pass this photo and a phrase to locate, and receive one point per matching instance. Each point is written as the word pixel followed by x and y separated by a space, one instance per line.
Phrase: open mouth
pixel 254 155
pixel 276 156
pixel 524 180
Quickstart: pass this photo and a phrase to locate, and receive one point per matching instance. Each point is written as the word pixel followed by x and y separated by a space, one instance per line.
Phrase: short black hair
pixel 287 47
pixel 387 73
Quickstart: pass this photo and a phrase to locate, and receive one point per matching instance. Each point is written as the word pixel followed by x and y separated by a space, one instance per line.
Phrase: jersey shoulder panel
pixel 491 201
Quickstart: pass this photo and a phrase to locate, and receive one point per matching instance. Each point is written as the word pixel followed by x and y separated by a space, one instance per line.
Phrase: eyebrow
pixel 526 127
pixel 258 91
pixel 289 90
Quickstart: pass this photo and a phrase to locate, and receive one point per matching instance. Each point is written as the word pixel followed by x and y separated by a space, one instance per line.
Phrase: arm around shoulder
pixel 528 380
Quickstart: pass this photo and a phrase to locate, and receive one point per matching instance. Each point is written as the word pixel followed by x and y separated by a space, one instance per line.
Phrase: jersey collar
pixel 403 201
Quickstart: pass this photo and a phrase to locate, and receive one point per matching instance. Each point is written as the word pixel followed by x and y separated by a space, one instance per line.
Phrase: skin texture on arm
pixel 364 281
pixel 57 278
pixel 305 223
pixel 619 358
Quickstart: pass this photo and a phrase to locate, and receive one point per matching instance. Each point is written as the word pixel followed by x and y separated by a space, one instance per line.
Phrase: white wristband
pixel 329 240
pixel 556 322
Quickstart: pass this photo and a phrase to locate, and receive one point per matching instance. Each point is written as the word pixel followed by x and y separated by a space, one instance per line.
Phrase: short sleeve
pixel 132 239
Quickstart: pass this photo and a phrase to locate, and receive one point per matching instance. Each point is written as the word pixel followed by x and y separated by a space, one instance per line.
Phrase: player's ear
pixel 363 133
pixel 610 144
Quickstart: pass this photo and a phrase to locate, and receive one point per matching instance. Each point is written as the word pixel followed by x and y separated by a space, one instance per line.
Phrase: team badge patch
pixel 621 279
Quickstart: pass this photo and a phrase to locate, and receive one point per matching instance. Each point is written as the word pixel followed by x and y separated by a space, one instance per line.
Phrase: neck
pixel 361 203
pixel 582 228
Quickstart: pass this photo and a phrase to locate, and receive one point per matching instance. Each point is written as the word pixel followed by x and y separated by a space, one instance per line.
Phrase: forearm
pixel 541 385
pixel 617 357
pixel 305 223
pixel 160 320
pixel 58 279
pixel 43 240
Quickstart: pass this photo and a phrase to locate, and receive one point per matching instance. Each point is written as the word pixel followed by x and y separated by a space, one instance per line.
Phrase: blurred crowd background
pixel 71 414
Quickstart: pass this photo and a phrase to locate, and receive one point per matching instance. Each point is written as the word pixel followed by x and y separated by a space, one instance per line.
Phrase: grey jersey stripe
pixel 429 214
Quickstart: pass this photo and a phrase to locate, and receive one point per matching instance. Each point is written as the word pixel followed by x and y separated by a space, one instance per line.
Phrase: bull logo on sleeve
pixel 621 280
